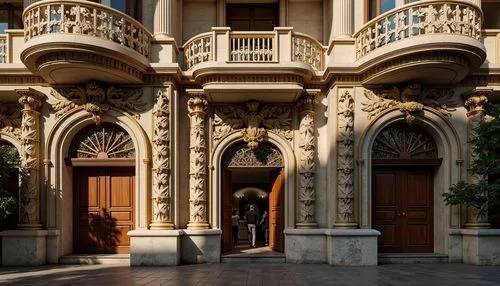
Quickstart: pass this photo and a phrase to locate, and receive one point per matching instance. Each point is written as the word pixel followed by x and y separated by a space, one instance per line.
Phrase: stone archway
pixel 261 168
pixel 403 161
pixel 103 161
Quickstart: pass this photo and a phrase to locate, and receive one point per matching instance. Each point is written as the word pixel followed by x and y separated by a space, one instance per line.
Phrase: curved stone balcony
pixel 74 41
pixel 433 41
pixel 264 66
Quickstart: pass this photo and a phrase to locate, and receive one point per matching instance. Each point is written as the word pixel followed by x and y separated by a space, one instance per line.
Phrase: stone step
pixel 411 258
pixel 252 259
pixel 121 259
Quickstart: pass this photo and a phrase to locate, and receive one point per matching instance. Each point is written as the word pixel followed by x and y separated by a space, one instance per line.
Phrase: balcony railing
pixel 85 18
pixel 416 19
pixel 3 49
pixel 280 45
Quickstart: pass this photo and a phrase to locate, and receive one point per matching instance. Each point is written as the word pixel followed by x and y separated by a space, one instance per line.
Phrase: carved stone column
pixel 307 156
pixel 197 104
pixel 475 105
pixel 342 19
pixel 162 191
pixel 477 2
pixel 29 204
pixel 163 24
pixel 345 160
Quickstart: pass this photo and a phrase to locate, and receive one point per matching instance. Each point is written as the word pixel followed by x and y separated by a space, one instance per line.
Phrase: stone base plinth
pixel 154 247
pixel 24 247
pixel 481 246
pixel 352 247
pixel 53 246
pixel 305 245
pixel 200 246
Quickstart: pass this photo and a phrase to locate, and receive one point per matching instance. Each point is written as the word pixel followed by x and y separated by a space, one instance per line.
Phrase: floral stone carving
pixel 10 120
pixel 161 193
pixel 96 100
pixel 410 100
pixel 253 121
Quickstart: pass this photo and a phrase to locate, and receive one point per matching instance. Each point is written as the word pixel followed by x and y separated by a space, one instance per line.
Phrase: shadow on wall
pixel 99 234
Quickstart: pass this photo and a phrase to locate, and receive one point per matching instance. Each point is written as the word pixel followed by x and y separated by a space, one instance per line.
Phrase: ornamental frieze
pixel 253 120
pixel 10 120
pixel 97 99
pixel 410 100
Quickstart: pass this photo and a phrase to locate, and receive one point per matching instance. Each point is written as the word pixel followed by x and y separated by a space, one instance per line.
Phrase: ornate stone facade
pixel 197 105
pixel 162 191
pixel 10 120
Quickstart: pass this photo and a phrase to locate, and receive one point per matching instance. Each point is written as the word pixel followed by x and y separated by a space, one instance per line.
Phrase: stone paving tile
pixel 253 274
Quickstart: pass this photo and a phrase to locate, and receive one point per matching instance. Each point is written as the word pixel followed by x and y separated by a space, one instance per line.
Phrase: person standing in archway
pixel 252 218
pixel 264 226
pixel 235 219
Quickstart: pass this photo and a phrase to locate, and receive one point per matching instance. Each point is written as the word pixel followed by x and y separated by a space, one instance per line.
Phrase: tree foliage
pixel 485 168
pixel 9 163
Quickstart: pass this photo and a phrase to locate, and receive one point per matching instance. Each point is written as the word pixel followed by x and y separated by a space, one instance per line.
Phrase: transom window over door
pixel 252 17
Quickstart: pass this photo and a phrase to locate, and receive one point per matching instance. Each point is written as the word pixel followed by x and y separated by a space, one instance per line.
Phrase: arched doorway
pixel 103 161
pixel 245 169
pixel 403 160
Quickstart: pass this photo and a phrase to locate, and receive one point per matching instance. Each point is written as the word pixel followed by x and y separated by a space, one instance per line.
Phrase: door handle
pixel 403 214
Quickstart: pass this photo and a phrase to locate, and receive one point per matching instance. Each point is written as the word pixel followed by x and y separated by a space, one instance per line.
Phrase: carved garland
pixel 345 158
pixel 410 100
pixel 96 100
pixel 307 153
pixel 253 122
pixel 197 162
pixel 240 155
pixel 162 217
pixel 10 120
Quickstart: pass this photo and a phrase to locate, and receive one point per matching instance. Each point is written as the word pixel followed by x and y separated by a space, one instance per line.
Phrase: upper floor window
pixel 378 7
pixel 129 7
pixel 10 16
pixel 252 17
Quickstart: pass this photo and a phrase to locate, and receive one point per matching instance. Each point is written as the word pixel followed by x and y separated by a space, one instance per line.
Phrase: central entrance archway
pixel 253 177
pixel 404 158
pixel 103 189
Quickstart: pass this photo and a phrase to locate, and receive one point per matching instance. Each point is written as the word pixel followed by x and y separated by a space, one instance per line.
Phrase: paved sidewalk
pixel 253 274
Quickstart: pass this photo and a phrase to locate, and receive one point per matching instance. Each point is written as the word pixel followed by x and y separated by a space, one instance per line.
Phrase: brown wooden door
pixel 252 17
pixel 227 205
pixel 276 211
pixel 103 209
pixel 403 208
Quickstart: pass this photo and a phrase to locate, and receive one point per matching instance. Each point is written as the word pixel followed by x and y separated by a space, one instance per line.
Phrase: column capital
pixel 31 99
pixel 476 102
pixel 197 101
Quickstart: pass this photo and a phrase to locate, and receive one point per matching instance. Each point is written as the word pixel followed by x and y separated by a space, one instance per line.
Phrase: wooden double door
pixel 276 210
pixel 103 209
pixel 403 208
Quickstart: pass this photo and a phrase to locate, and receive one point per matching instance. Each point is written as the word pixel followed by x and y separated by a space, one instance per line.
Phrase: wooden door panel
pixel 227 205
pixel 276 213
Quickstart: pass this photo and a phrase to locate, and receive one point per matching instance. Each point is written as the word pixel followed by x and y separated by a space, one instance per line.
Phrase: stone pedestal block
pixel 481 246
pixel 154 247
pixel 200 246
pixel 352 247
pixel 305 245
pixel 53 246
pixel 24 247
pixel 455 252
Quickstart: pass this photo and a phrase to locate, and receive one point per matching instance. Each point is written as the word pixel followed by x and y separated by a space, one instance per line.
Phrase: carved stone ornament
pixel 410 100
pixel 345 159
pixel 96 99
pixel 307 168
pixel 476 103
pixel 102 142
pixel 400 141
pixel 10 120
pixel 29 217
pixel 161 193
pixel 197 105
pixel 240 155
pixel 254 121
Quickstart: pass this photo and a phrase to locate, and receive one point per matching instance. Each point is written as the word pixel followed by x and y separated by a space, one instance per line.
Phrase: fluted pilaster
pixel 342 19
pixel 162 191
pixel 26 3
pixel 475 104
pixel 163 19
pixel 307 157
pixel 29 204
pixel 197 105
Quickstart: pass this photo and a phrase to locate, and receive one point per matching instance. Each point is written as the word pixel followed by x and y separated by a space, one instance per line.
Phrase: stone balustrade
pixel 85 18
pixel 3 49
pixel 417 19
pixel 254 47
